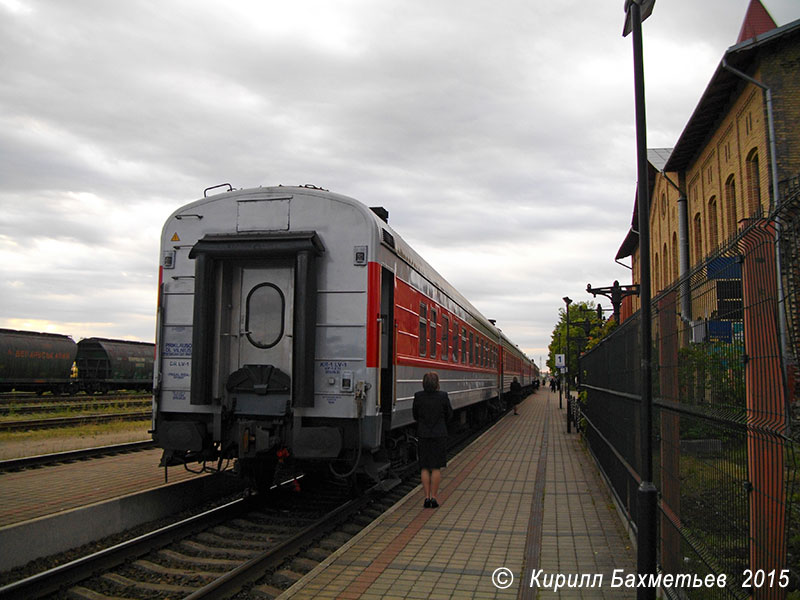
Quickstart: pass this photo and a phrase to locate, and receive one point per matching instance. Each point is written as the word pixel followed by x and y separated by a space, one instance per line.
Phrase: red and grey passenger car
pixel 292 318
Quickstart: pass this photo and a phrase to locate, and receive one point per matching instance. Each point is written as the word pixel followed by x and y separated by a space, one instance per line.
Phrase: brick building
pixel 720 170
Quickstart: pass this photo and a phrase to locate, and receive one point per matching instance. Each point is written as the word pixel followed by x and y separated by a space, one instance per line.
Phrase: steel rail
pixel 26 462
pixel 72 405
pixel 70 421
pixel 14 398
pixel 255 568
pixel 51 581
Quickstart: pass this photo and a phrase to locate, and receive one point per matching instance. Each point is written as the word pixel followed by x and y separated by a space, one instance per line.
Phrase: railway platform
pixel 521 507
pixel 44 491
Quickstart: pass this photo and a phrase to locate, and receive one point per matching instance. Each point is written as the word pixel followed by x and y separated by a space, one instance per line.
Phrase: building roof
pixel 718 93
pixel 756 22
pixel 657 158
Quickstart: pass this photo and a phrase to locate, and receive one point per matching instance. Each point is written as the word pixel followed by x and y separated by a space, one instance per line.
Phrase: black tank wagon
pixel 48 362
pixel 36 362
pixel 105 364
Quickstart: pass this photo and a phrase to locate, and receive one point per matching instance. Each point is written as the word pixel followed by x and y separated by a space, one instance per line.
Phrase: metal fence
pixel 726 415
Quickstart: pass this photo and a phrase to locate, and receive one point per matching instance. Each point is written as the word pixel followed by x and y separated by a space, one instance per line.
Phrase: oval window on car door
pixel 266 306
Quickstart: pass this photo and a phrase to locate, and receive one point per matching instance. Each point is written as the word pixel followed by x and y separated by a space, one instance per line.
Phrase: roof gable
pixel 756 21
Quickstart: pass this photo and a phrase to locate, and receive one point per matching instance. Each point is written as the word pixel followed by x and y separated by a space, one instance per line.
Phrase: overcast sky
pixel 498 134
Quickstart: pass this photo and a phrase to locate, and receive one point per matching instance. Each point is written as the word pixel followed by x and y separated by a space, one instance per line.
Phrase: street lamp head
pixel 567 300
pixel 645 10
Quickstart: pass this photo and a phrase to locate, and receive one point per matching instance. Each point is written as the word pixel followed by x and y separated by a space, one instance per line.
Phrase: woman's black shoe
pixel 434 503
pixel 427 503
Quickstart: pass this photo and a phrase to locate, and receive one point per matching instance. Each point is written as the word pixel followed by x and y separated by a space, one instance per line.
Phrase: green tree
pixel 585 328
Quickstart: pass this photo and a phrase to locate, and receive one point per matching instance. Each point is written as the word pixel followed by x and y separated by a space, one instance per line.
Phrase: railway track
pixel 27 462
pixel 17 399
pixel 217 552
pixel 254 547
pixel 85 404
pixel 51 423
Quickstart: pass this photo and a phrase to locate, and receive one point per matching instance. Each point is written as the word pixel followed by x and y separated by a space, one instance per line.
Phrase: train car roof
pixel 399 246
pixel 35 333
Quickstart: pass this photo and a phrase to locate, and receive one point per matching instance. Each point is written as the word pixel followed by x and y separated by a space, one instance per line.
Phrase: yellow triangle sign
pixel 175 238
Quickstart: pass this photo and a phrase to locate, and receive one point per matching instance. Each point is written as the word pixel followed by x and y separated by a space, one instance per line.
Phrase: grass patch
pixel 14 444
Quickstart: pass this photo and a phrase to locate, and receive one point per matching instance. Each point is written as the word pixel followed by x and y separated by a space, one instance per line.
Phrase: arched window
pixel 698 239
pixel 665 266
pixel 713 228
pixel 656 275
pixel 753 183
pixel 730 205
pixel 675 266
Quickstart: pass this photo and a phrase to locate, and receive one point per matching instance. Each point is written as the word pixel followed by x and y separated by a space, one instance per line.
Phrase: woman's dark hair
pixel 430 382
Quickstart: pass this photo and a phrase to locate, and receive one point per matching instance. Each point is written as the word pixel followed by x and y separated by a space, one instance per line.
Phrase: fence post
pixel 766 419
pixel 670 434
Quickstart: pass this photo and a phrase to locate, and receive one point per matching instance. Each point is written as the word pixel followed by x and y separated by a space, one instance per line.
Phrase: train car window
pixel 471 348
pixel 463 346
pixel 445 337
pixel 264 315
pixel 433 333
pixel 455 342
pixel 423 329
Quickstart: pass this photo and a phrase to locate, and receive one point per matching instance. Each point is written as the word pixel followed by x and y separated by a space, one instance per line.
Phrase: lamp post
pixel 616 293
pixel 637 11
pixel 567 300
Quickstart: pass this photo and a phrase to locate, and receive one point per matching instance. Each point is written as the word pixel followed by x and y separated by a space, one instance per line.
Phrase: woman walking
pixel 431 411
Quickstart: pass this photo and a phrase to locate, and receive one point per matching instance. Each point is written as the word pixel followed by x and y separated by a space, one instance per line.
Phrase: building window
pixel 423 329
pixel 663 203
pixel 665 266
pixel 753 183
pixel 698 239
pixel 730 204
pixel 713 229
pixel 656 274
pixel 675 266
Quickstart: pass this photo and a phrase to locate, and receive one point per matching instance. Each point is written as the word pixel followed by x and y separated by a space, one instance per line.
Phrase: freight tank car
pixel 292 320
pixel 105 364
pixel 36 362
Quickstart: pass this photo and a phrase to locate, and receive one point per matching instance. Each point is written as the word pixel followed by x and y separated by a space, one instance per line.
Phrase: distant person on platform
pixel 431 410
pixel 516 394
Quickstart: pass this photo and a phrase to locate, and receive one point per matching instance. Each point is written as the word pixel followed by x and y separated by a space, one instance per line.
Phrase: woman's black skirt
pixel 432 453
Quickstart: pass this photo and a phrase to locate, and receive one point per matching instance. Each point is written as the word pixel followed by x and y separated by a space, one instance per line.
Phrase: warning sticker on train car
pixel 175 237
